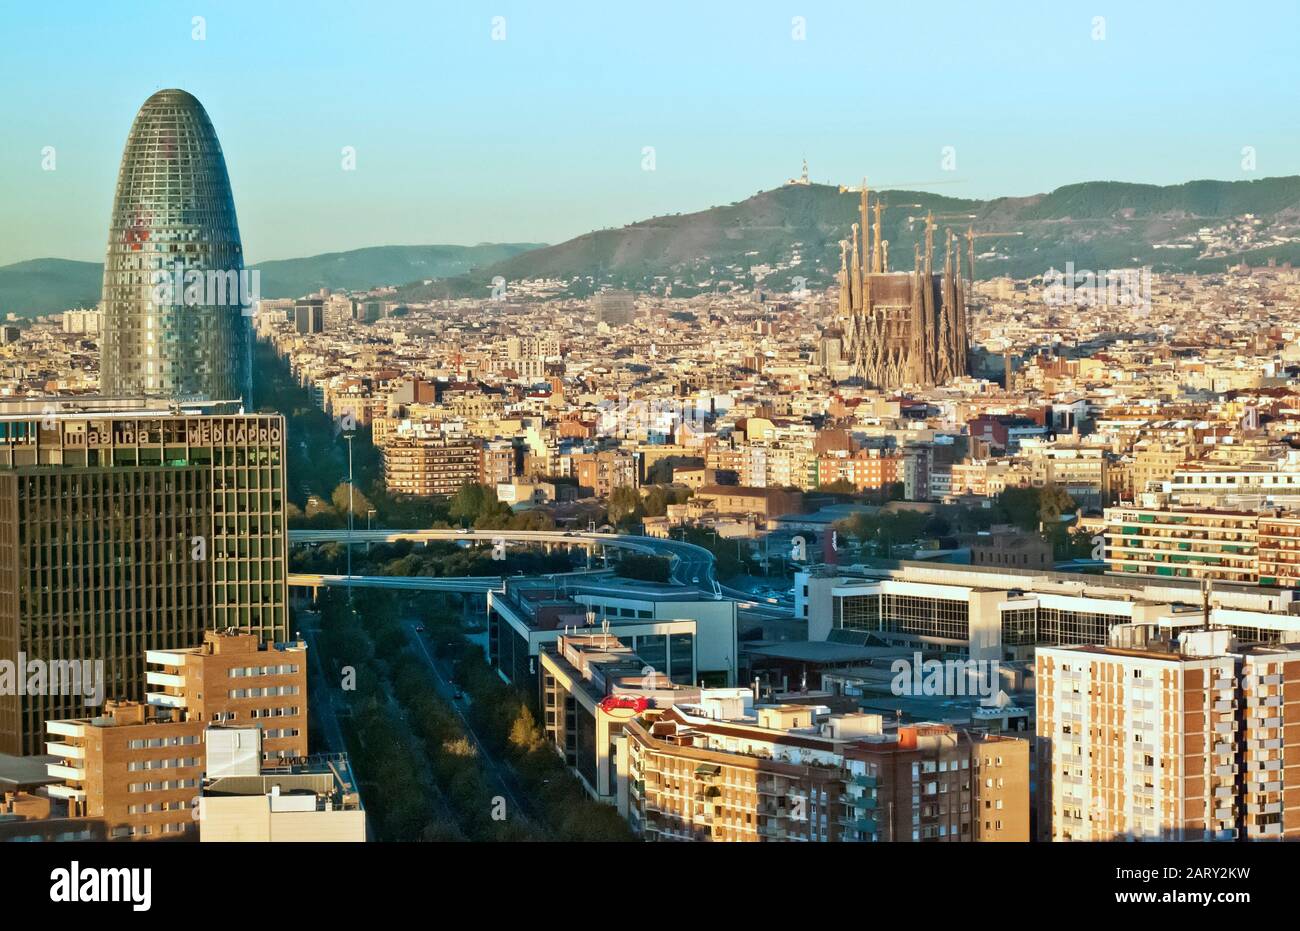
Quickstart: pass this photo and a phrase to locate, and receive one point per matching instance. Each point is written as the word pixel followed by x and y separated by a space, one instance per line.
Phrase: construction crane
pixel 941 217
pixel 971 236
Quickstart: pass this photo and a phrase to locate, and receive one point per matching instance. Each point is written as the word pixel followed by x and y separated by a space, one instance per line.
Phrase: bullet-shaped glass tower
pixel 175 289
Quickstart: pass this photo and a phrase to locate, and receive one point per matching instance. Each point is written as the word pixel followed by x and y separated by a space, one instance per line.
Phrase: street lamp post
pixel 369 514
pixel 348 437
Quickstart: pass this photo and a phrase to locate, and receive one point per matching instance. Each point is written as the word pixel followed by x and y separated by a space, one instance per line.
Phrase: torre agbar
pixel 173 223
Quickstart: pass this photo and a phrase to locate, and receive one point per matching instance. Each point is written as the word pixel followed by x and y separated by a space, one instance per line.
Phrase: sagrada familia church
pixel 901 328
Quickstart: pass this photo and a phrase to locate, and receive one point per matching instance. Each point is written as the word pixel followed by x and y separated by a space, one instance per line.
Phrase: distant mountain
pixel 42 286
pixel 794 231
pixel 776 235
pixel 376 266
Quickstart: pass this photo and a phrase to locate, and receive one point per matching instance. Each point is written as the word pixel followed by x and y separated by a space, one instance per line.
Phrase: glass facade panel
pixel 174 285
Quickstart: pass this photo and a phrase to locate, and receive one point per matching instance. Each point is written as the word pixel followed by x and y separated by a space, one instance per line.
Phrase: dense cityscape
pixel 853 514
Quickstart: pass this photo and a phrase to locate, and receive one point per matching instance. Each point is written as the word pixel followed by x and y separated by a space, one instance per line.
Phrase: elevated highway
pixel 691 564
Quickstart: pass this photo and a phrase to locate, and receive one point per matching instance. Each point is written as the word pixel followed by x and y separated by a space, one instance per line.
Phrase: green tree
pixel 656 501
pixel 468 503
pixel 1021 506
pixel 360 503
pixel 1052 503
pixel 525 735
pixel 644 567
pixel 532 519
pixel 625 506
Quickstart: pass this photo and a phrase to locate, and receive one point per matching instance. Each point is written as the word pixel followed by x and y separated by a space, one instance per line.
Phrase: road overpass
pixel 691 564
pixel 475 584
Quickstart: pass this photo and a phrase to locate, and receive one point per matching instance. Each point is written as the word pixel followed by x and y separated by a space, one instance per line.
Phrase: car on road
pixel 419 628
pixel 695 580
pixel 458 695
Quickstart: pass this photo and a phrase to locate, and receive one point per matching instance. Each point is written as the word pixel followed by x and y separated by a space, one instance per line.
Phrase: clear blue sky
pixel 539 137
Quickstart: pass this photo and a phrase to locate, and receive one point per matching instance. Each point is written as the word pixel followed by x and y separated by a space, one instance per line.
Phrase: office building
pixel 614 308
pixel 309 316
pixel 126 532
pixel 591 685
pixel 687 639
pixel 1006 613
pixel 175 288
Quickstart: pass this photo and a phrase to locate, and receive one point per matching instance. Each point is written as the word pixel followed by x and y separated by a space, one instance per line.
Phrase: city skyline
pixel 817 509
pixel 498 164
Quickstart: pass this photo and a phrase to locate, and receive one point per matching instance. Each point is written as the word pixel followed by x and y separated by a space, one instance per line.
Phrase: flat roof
pixel 19 772
pixel 823 651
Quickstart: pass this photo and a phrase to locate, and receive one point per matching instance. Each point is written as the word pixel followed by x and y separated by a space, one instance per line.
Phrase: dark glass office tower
pixel 174 323
pixel 127 532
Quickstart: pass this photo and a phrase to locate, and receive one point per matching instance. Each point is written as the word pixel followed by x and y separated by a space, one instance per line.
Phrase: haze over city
pixel 539 136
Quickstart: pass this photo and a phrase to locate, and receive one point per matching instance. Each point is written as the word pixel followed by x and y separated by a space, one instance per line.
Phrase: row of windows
pixel 164 786
pixel 153 807
pixel 265 692
pixel 249 671
pixel 155 742
pixel 135 766
pixel 907 614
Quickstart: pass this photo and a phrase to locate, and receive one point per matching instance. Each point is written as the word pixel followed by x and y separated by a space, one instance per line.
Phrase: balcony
pixel 76 774
pixel 868 782
pixel 67 751
pixel 164 679
pixel 67 792
pixel 163 700
pixel 65 728
pixel 867 802
pixel 163 658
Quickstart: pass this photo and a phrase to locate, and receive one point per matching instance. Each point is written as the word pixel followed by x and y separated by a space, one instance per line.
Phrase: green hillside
pixel 795 230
